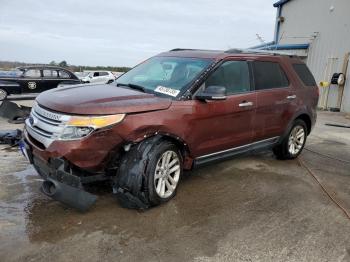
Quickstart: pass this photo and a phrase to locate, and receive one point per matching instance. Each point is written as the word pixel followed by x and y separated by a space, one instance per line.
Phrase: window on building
pixel 304 74
pixel 234 75
pixel 269 75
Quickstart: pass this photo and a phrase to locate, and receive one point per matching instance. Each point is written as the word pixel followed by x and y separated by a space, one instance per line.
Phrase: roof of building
pixel 280 3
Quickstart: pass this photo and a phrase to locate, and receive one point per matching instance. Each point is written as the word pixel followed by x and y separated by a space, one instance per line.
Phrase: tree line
pixel 8 65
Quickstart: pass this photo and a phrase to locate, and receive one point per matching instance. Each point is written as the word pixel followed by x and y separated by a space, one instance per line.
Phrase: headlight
pixel 75 132
pixel 81 126
pixel 95 121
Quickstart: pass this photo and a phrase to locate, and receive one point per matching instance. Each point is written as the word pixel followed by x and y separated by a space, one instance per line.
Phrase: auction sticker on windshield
pixel 167 91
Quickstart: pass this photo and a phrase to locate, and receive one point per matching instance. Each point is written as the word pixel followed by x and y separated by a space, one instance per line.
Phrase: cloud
pixel 126 32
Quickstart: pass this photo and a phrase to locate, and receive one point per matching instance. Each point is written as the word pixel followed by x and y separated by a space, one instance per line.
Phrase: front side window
pixel 234 75
pixel 165 76
pixel 33 73
pixel 268 75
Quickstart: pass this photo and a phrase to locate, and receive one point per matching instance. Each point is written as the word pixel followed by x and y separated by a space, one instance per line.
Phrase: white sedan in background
pixel 99 77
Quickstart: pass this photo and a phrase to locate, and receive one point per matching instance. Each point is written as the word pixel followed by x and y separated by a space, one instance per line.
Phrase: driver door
pixel 225 125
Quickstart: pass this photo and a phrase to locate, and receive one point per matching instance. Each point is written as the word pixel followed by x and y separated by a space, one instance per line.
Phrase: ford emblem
pixel 32 121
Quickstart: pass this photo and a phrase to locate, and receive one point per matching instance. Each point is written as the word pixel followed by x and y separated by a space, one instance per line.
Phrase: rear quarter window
pixel 304 74
pixel 268 75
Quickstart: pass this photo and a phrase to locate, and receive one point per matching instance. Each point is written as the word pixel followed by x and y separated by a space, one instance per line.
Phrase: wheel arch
pixel 307 119
pixel 303 115
pixel 177 141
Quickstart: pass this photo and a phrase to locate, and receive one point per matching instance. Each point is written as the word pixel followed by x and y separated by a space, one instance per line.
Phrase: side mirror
pixel 212 93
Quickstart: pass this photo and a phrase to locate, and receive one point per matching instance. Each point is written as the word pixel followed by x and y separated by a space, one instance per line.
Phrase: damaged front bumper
pixel 59 184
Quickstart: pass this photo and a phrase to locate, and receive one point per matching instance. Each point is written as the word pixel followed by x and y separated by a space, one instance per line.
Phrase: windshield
pixel 164 75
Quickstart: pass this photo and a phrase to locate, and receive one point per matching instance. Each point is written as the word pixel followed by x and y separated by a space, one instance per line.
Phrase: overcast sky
pixel 123 33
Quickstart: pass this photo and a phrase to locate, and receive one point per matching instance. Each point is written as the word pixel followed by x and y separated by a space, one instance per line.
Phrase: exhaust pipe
pixel 68 195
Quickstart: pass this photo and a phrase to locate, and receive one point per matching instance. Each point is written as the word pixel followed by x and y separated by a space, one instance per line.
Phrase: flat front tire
pixel 292 145
pixel 3 95
pixel 148 174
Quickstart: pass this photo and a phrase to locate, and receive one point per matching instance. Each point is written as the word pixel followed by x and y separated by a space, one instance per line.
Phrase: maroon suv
pixel 173 112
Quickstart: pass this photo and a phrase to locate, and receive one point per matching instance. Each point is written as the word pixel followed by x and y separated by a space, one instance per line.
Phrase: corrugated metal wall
pixel 325 24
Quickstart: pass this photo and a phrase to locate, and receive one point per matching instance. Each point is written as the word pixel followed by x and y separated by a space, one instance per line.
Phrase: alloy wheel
pixel 296 140
pixel 167 174
pixel 3 95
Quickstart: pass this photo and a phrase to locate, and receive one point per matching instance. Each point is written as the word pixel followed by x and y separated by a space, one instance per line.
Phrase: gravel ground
pixel 252 208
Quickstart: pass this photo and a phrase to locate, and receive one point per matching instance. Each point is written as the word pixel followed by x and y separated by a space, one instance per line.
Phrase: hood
pixel 101 99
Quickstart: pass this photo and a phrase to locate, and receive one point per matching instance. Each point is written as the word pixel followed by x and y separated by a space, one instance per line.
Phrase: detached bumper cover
pixel 59 184
pixel 63 186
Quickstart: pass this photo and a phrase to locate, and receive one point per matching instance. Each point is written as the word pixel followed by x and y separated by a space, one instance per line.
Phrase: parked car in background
pixel 173 112
pixel 35 79
pixel 99 77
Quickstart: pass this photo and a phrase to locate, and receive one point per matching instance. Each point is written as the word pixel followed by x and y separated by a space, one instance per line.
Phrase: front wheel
pixel 3 95
pixel 292 145
pixel 164 174
pixel 149 174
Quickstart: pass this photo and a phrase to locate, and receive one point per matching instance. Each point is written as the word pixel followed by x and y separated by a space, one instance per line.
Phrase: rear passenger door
pixel 275 99
pixel 103 77
pixel 50 79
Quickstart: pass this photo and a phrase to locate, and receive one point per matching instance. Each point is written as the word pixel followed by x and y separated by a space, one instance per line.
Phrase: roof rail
pixel 257 51
pixel 182 49
pixel 192 49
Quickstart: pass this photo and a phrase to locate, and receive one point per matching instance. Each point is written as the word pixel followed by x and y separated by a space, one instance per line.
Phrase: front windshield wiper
pixel 133 86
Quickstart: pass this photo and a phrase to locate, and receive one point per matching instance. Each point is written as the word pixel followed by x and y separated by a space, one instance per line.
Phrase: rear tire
pixel 292 145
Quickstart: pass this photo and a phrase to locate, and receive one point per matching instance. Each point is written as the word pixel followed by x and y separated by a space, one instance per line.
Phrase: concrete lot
pixel 252 208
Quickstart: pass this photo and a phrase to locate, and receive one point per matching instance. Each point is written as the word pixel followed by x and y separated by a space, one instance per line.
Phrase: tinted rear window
pixel 269 75
pixel 304 74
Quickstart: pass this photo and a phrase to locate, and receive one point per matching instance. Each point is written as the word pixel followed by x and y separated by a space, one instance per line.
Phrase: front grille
pixel 44 125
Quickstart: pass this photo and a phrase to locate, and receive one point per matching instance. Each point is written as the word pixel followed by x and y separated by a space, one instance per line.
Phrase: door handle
pixel 245 104
pixel 291 97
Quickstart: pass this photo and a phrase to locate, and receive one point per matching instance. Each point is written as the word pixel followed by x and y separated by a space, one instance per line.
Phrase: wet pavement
pixel 252 208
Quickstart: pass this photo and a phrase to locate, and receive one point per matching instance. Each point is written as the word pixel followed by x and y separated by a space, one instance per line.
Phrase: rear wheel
pixel 3 95
pixel 293 143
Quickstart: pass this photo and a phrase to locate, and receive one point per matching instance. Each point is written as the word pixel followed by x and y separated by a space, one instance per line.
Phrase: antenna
pixel 260 39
